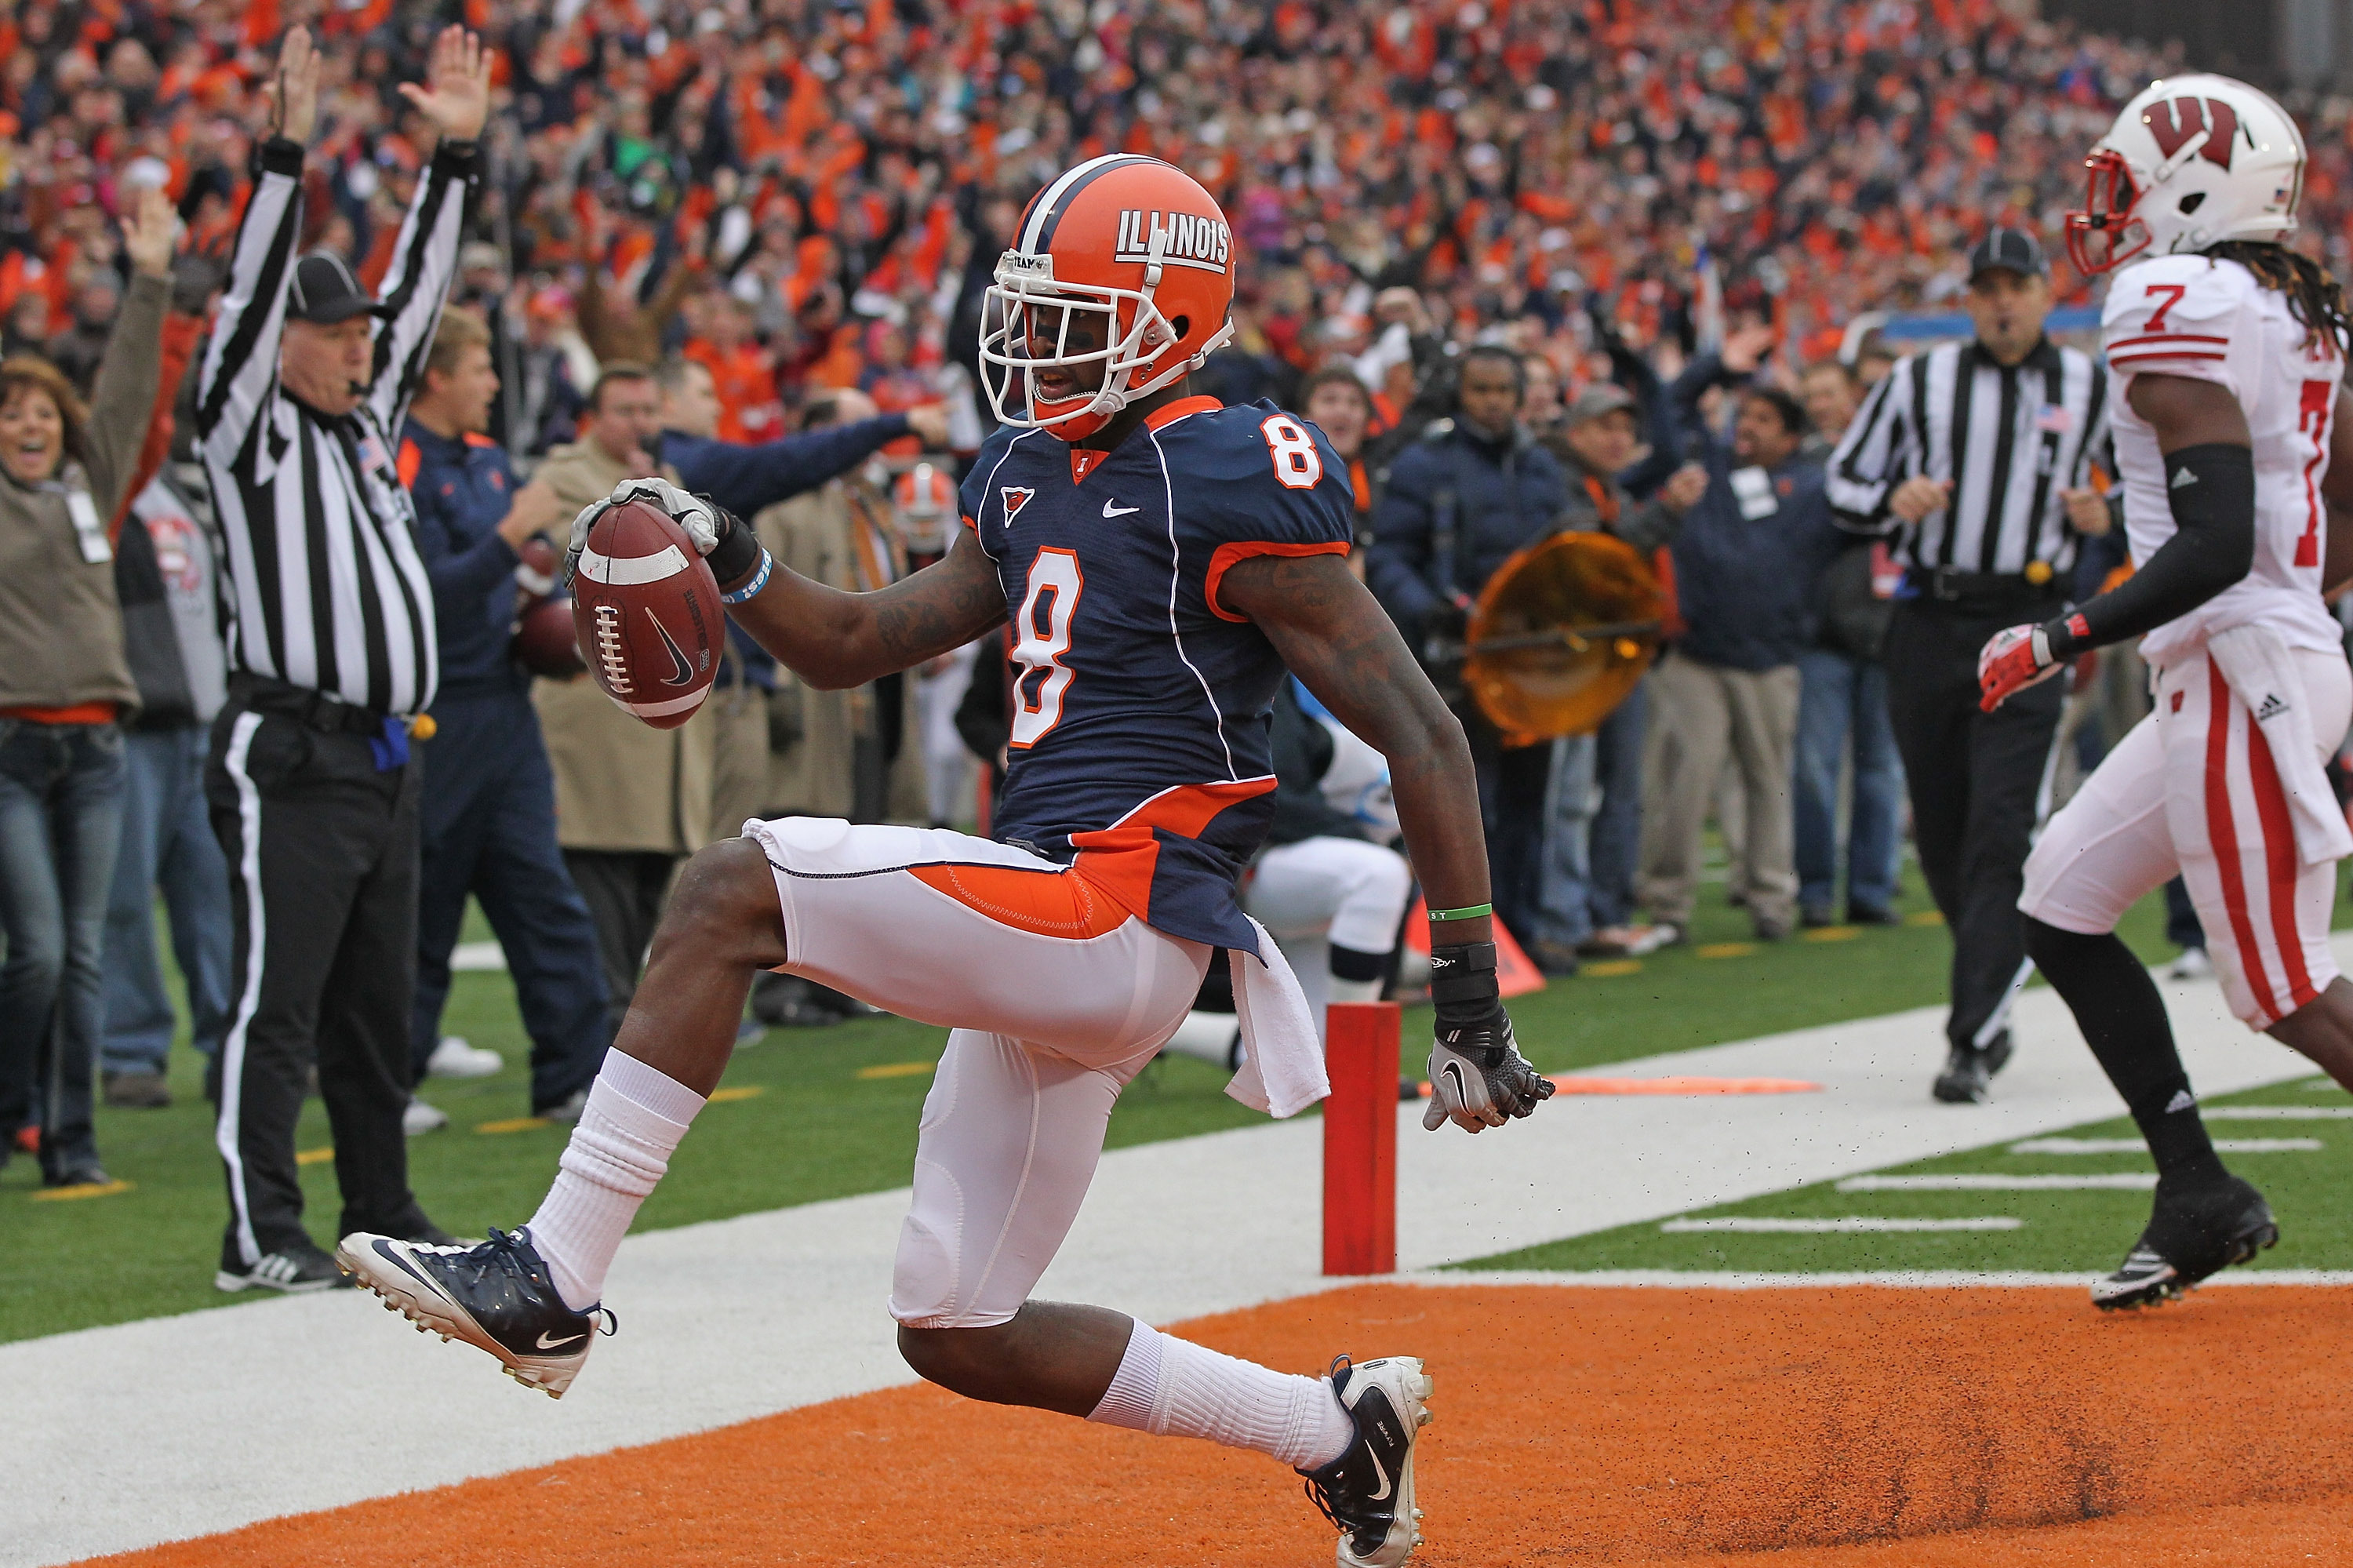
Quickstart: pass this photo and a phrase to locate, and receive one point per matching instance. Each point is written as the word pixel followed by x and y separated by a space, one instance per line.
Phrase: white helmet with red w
pixel 2192 162
pixel 1124 263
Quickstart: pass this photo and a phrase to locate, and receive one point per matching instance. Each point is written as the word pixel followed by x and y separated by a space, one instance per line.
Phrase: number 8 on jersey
pixel 1041 636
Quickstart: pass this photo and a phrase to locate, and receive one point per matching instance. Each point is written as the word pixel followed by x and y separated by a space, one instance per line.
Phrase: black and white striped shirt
pixel 2010 440
pixel 325 588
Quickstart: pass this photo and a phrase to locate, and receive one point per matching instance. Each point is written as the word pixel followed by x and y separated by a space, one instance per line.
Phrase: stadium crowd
pixel 1528 265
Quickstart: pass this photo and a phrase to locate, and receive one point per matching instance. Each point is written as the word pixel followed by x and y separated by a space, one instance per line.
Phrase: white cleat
pixel 1368 1491
pixel 496 1295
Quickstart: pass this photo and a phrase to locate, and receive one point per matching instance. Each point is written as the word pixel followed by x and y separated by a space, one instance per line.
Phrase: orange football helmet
pixel 926 503
pixel 1134 258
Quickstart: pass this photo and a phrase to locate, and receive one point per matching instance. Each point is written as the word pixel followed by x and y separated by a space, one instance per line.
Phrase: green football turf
pixel 812 1129
pixel 2062 1231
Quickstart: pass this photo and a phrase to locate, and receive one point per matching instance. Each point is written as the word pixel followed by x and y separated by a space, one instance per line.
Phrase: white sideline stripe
pixel 2127 1182
pixel 1893 1278
pixel 1758 1225
pixel 226 1126
pixel 2276 1113
pixel 739 1318
pixel 2135 1146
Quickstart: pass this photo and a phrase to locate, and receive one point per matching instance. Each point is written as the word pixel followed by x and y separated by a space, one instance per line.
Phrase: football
pixel 646 611
pixel 543 641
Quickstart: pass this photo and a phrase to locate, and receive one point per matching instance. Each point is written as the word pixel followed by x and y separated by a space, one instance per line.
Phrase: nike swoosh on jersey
pixel 547 1344
pixel 1114 509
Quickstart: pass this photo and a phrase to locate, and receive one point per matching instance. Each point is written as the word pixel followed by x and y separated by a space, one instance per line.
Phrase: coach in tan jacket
pixel 630 801
pixel 842 534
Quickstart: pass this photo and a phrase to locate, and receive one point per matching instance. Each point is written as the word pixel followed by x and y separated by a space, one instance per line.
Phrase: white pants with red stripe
pixel 2194 788
pixel 1055 997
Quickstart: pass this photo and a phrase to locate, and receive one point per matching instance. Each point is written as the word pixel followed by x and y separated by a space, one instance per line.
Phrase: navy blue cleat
pixel 1368 1491
pixel 497 1295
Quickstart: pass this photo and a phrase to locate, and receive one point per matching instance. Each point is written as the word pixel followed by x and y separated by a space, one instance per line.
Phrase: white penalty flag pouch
pixel 2255 664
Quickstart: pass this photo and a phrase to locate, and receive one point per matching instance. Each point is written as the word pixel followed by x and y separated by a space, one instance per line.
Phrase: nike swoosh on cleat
pixel 547 1344
pixel 1381 1495
pixel 384 1250
pixel 1114 509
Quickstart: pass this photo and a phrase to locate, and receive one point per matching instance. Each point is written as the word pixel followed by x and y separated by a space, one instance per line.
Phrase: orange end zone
pixel 1832 1428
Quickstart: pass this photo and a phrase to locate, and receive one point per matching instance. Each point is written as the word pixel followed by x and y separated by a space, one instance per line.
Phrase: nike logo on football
pixel 547 1344
pixel 1379 1470
pixel 1114 509
pixel 2184 480
pixel 684 672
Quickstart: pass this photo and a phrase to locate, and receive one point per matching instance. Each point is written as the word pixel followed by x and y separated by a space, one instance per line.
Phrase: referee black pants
pixel 323 856
pixel 1975 780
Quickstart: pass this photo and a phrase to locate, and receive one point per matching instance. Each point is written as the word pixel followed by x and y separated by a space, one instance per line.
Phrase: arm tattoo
pixel 934 612
pixel 1336 638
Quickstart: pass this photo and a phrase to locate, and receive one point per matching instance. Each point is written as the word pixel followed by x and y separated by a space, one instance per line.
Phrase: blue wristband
pixel 759 580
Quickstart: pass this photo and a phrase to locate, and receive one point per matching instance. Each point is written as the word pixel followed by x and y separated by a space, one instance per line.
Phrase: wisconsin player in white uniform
pixel 2230 436
pixel 1162 560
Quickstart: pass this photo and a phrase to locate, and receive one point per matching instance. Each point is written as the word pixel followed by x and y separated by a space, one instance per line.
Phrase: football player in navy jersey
pixel 1162 560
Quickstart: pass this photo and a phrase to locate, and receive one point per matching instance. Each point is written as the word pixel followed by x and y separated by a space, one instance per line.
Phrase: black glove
pixel 1477 1076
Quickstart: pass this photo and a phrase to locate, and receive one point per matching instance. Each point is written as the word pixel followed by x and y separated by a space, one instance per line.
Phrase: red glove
pixel 2011 660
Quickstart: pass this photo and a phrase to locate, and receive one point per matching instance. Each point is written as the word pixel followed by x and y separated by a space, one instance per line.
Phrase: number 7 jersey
pixel 2212 320
pixel 1140 702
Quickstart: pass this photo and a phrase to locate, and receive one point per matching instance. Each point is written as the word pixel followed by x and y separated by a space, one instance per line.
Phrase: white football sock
pixel 629 1128
pixel 1169 1386
pixel 1353 991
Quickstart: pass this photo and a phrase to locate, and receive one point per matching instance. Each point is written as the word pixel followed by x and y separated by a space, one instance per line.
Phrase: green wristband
pixel 1472 913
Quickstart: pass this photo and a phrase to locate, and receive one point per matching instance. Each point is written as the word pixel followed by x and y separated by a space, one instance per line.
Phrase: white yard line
pixel 2135 1146
pixel 1756 1224
pixel 2276 1113
pixel 1972 1181
pixel 325 1401
pixel 1892 1279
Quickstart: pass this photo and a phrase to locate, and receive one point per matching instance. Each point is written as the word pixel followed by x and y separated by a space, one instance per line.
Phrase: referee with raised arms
pixel 1974 458
pixel 311 787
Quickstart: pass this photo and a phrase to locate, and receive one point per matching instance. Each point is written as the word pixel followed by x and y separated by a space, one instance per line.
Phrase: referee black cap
pixel 2012 249
pixel 325 293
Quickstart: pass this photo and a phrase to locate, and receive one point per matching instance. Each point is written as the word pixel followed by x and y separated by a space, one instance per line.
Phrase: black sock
pixel 2123 1019
pixel 1354 964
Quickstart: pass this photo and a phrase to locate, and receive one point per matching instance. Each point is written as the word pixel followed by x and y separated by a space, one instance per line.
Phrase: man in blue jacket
pixel 1459 502
pixel 1746 560
pixel 746 477
pixel 489 795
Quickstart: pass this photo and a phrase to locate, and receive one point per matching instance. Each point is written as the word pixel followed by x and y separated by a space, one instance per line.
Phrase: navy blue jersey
pixel 1140 707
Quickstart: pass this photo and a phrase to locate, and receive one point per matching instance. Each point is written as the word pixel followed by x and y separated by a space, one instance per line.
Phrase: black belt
pixel 1951 585
pixel 321 711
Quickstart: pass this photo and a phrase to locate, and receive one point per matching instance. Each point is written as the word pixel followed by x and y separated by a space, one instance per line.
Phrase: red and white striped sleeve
pixel 2178 315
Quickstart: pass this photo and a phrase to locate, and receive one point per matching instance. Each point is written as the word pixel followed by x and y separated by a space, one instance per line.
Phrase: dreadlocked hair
pixel 2313 297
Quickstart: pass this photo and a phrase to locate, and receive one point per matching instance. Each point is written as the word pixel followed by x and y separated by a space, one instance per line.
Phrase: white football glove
pixel 1478 1079
pixel 697 516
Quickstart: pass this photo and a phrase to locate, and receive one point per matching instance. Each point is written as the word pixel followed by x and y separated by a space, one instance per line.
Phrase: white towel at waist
pixel 2256 665
pixel 1283 1062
